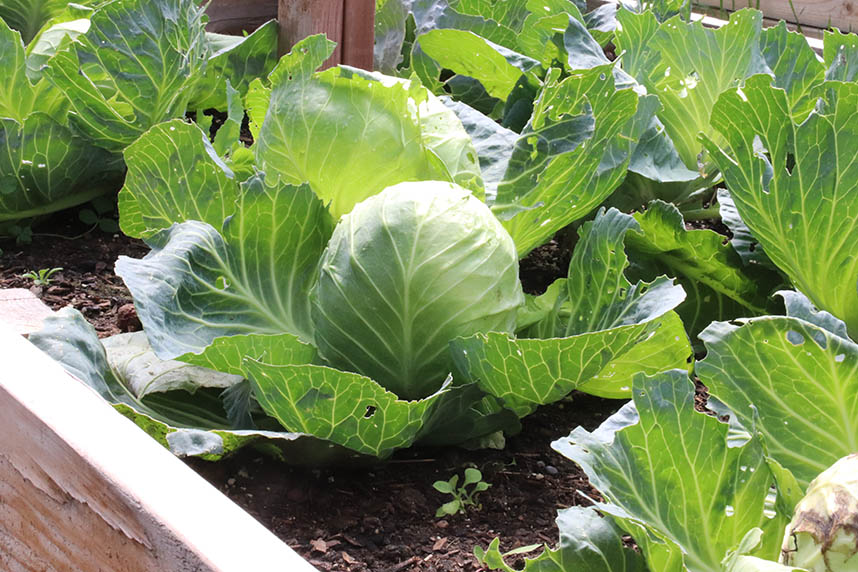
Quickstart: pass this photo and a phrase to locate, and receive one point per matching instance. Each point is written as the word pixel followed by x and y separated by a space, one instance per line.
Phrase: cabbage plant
pixel 91 79
pixel 370 312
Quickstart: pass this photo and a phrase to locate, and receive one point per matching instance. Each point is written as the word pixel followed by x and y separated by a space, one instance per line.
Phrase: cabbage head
pixel 404 273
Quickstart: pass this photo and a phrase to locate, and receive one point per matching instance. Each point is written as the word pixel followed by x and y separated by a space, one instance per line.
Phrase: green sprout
pixel 462 497
pixel 42 277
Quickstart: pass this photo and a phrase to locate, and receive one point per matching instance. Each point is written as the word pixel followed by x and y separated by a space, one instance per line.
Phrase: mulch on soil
pixel 369 519
pixel 382 519
pixel 86 280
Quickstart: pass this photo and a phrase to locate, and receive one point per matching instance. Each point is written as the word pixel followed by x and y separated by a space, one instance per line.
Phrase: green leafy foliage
pixel 717 282
pixel 92 78
pixel 794 185
pixel 387 131
pixel 159 64
pixel 586 327
pixel 578 133
pixel 29 16
pixel 44 166
pixel 588 541
pixel 670 478
pixel 793 379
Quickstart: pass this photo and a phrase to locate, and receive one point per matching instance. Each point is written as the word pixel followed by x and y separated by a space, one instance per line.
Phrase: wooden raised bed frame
pixel 84 489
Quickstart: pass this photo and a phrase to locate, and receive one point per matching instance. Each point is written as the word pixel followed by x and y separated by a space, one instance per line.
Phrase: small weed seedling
pixel 462 497
pixel 42 277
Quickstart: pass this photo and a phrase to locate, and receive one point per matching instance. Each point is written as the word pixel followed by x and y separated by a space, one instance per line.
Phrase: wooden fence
pixel 350 23
pixel 811 16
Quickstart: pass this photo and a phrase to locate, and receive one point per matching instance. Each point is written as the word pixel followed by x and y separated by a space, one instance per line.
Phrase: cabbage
pixel 823 533
pixel 404 273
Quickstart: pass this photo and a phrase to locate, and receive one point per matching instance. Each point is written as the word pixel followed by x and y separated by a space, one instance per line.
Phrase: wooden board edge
pixel 817 15
pixel 72 447
pixel 711 22
pixel 22 310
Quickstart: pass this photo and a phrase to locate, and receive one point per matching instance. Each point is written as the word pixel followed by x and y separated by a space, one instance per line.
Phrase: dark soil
pixel 375 519
pixel 383 519
pixel 86 280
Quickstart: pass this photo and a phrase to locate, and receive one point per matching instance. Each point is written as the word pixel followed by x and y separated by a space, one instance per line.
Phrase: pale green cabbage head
pixel 823 534
pixel 404 273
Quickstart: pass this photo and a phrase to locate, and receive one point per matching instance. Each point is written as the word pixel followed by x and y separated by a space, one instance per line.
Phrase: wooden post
pixel 237 16
pixel 349 23
pixel 302 18
pixel 359 33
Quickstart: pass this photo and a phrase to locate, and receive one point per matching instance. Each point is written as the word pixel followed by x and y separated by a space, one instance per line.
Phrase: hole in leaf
pixel 370 411
pixel 794 338
pixel 790 163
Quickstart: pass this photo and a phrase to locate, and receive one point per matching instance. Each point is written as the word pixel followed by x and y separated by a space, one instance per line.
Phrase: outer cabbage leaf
pixel 718 283
pixel 840 53
pixel 174 175
pixel 187 424
pixel 655 168
pixel 573 153
pixel 17 94
pixel 493 143
pixel 795 66
pixel 376 129
pixel 237 59
pixel 198 284
pixel 341 407
pixel 796 186
pixel 588 541
pixel 460 413
pixel 44 168
pixel 743 241
pixel 132 360
pixel 495 67
pixel 670 479
pixel 53 37
pixel 28 16
pixel 226 354
pixel 688 66
pixel 597 320
pixel 792 380
pixel 135 67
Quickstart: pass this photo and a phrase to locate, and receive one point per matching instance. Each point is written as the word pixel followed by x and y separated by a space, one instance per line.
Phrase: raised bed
pixel 82 488
pixel 58 483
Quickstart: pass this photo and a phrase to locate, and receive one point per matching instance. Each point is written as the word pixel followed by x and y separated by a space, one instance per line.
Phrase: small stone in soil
pixel 127 320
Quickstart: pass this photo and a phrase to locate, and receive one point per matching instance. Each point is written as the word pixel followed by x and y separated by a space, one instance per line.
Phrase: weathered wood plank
pixel 712 22
pixel 842 14
pixel 22 311
pixel 302 18
pixel 359 33
pixel 83 489
pixel 236 16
